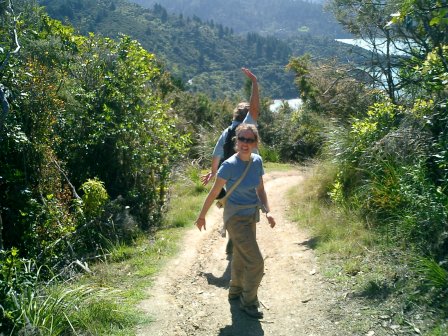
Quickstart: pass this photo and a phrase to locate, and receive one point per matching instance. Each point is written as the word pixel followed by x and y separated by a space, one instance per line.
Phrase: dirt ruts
pixel 189 296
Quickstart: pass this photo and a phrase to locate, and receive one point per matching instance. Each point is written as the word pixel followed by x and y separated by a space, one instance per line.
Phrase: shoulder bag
pixel 222 201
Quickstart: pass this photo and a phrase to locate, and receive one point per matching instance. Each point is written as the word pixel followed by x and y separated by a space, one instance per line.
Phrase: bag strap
pixel 238 181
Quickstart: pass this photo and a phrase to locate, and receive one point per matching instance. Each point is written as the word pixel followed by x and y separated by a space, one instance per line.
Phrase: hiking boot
pixel 252 311
pixel 229 247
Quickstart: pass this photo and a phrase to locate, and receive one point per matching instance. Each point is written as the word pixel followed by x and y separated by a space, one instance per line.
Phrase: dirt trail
pixel 189 297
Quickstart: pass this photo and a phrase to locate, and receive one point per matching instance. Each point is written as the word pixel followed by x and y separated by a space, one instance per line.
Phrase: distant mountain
pixel 207 57
pixel 280 18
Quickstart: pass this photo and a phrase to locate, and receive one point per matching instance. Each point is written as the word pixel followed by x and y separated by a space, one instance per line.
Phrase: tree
pixel 331 89
pixel 9 47
pixel 393 160
pixel 80 108
pixel 400 34
pixel 368 20
pixel 423 27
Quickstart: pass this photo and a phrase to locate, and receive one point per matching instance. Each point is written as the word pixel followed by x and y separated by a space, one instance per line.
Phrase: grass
pixel 273 166
pixel 125 276
pixel 53 308
pixel 129 270
pixel 376 281
pixel 337 231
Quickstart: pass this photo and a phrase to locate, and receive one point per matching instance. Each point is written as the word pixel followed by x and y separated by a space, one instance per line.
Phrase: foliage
pixel 282 18
pixel 30 308
pixel 380 277
pixel 80 108
pixel 331 89
pixel 187 196
pixel 329 92
pixel 391 159
pixel 383 172
pixel 401 35
pixel 207 57
pixel 294 135
pixel 83 113
pixel 434 274
pixel 393 162
pixel 268 153
pixel 94 198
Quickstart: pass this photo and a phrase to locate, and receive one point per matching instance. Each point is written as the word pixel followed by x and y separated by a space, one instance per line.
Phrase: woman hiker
pixel 244 112
pixel 241 213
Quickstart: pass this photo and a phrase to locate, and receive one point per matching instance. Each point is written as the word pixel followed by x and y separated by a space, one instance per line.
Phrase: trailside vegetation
pixel 87 145
pixel 387 140
pixel 92 127
pixel 393 159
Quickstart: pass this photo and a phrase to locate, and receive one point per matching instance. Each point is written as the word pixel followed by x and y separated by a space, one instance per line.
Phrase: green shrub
pixel 269 153
pixel 295 136
pixel 433 274
pixel 94 198
pixel 384 173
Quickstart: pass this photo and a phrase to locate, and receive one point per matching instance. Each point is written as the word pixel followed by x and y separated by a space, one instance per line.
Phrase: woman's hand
pixel 200 223
pixel 249 74
pixel 271 220
pixel 206 178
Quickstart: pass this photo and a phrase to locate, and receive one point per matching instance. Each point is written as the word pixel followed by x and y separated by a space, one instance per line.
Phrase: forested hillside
pixel 203 54
pixel 281 18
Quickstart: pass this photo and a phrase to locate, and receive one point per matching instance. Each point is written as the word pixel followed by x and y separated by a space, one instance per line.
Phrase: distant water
pixel 395 49
pixel 378 72
pixel 293 103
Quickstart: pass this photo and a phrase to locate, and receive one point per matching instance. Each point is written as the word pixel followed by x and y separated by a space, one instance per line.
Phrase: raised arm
pixel 254 109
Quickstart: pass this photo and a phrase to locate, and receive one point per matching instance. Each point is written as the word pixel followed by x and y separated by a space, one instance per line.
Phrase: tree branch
pixel 75 194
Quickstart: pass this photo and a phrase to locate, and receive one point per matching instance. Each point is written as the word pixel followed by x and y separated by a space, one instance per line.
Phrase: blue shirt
pixel 246 192
pixel 219 147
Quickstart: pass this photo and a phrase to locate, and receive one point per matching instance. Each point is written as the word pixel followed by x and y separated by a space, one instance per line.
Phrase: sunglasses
pixel 246 140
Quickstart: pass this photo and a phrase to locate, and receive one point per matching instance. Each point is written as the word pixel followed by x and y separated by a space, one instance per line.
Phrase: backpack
pixel 229 150
pixel 229 144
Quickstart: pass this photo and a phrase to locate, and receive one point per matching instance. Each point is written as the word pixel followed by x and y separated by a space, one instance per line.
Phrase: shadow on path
pixel 310 243
pixel 241 323
pixel 222 281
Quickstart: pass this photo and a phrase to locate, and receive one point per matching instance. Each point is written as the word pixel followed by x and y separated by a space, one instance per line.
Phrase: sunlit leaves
pixel 83 107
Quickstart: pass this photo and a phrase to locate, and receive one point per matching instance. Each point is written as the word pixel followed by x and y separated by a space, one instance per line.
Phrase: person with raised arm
pixel 244 112
pixel 241 213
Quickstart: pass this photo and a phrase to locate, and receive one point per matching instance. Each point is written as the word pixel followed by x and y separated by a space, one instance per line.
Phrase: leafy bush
pixel 291 135
pixel 269 153
pixel 385 173
pixel 94 198
pixel 79 108
pixel 434 275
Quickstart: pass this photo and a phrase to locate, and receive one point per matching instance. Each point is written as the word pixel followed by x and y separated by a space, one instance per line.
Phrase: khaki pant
pixel 247 266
